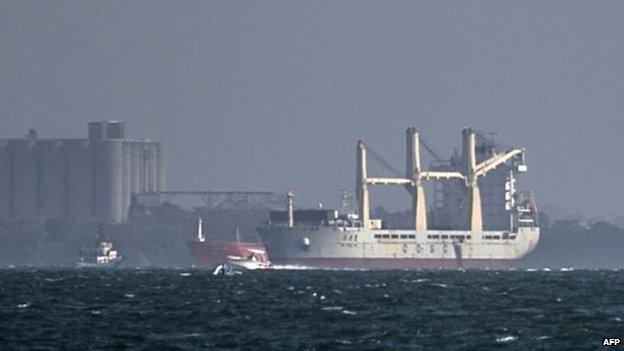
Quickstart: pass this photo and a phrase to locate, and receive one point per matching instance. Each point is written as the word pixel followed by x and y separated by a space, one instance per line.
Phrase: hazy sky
pixel 274 95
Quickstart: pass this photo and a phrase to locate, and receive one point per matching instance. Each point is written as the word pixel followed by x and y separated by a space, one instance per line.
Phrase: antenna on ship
pixel 200 234
pixel 237 234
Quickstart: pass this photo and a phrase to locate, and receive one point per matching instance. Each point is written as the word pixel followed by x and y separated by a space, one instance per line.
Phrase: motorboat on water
pixel 256 259
pixel 210 253
pixel 224 269
pixel 103 255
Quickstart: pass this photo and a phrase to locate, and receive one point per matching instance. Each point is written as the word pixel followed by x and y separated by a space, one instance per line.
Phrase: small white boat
pixel 224 269
pixel 257 259
pixel 103 255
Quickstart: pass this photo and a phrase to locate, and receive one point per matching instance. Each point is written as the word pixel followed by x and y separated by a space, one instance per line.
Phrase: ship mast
pixel 289 209
pixel 200 234
pixel 413 180
pixel 237 233
pixel 414 176
pixel 361 187
pixel 413 172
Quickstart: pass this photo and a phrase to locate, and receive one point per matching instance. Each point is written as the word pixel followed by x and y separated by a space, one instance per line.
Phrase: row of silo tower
pixel 83 180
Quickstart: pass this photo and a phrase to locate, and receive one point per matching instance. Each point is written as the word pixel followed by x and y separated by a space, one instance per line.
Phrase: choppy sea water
pixel 309 310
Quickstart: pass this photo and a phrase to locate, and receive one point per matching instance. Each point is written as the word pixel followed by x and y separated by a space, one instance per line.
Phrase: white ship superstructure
pixel 498 190
pixel 102 255
pixel 321 238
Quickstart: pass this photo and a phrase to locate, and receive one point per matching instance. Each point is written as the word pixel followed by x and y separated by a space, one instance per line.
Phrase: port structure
pixel 218 200
pixel 414 177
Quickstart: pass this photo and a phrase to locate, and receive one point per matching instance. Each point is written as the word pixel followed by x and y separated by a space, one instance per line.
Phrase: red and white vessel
pixel 212 253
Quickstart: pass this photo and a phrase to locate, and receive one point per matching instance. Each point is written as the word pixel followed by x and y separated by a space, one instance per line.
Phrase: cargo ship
pixel 212 253
pixel 325 239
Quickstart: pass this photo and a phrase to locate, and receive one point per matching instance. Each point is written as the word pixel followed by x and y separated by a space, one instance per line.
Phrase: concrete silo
pixel 107 169
pixel 135 167
pixel 24 198
pixel 81 179
pixel 160 166
pixel 52 178
pixel 78 174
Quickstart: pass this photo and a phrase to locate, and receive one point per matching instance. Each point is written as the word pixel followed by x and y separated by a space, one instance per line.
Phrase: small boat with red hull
pixel 212 253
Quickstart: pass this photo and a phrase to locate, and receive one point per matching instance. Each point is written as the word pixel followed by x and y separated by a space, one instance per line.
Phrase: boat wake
pixel 290 267
pixel 297 267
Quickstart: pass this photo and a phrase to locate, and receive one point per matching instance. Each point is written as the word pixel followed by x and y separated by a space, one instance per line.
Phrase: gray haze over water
pixel 274 95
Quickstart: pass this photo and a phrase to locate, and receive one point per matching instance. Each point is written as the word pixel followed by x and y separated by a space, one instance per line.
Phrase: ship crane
pixel 413 179
pixel 475 170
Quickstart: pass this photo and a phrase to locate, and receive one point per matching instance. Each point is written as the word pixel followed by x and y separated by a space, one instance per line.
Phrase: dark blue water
pixel 313 310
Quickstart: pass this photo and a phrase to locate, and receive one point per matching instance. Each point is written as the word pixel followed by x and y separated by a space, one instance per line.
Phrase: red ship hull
pixel 392 263
pixel 211 254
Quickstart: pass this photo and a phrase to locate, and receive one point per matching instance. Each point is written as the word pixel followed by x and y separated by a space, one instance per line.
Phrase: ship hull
pixel 108 265
pixel 211 254
pixel 392 263
pixel 356 248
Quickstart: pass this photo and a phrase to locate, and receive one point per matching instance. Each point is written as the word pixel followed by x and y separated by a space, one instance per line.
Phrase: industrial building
pixel 89 179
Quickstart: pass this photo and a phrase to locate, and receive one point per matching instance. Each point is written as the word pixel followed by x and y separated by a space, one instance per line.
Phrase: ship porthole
pixel 404 248
pixel 418 248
